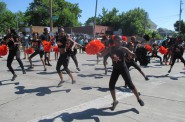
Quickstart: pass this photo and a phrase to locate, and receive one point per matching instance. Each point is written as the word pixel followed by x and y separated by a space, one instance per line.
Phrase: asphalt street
pixel 35 96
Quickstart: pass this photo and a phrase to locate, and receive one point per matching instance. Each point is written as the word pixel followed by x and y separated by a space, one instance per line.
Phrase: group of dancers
pixel 123 55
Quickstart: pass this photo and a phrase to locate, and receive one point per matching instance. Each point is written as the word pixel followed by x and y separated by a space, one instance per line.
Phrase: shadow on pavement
pixel 165 76
pixel 2 84
pixel 88 64
pixel 106 89
pixel 46 73
pixel 88 115
pixel 96 76
pixel 40 91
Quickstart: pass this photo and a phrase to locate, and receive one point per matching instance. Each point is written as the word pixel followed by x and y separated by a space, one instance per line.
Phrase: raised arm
pixel 126 50
pixel 104 52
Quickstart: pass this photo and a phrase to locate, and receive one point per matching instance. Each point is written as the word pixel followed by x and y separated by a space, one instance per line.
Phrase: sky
pixel 164 13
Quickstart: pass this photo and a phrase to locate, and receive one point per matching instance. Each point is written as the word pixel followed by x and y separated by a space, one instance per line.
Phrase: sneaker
pixel 105 72
pixel 169 71
pixel 49 64
pixel 24 72
pixel 78 69
pixel 13 78
pixel 45 69
pixel 60 83
pixel 141 102
pixel 73 81
pixel 114 104
pixel 146 78
pixel 125 86
pixel 139 93
pixel 30 67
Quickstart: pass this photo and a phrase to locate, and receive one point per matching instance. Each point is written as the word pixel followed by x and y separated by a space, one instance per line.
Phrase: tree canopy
pixel 38 13
pixel 131 22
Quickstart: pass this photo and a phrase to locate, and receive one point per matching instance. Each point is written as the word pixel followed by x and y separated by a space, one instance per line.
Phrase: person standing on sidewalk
pixel 119 68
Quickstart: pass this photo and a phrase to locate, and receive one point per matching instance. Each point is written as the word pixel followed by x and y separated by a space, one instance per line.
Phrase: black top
pixel 45 37
pixel 36 44
pixel 11 46
pixel 118 59
pixel 63 40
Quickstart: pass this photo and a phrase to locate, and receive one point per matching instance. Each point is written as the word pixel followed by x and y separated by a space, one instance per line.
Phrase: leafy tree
pixel 91 21
pixel 133 22
pixel 2 7
pixel 7 18
pixel 67 13
pixel 176 26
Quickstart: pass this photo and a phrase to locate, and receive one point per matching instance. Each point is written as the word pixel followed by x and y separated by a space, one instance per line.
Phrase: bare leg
pixel 31 64
pixel 113 94
pixel 43 64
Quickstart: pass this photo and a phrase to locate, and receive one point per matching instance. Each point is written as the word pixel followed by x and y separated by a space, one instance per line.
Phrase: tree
pixel 133 22
pixel 182 29
pixel 67 13
pixel 2 7
pixel 7 18
pixel 90 21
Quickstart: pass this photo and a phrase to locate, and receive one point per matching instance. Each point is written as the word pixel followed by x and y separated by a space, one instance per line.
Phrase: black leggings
pixel 126 76
pixel 46 57
pixel 156 57
pixel 11 58
pixel 134 64
pixel 179 56
pixel 63 60
pixel 41 53
pixel 74 59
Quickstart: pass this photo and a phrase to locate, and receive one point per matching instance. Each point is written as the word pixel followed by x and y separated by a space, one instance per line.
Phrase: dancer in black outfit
pixel 38 50
pixel 154 53
pixel 130 61
pixel 72 51
pixel 61 40
pixel 45 36
pixel 119 68
pixel 176 55
pixel 12 42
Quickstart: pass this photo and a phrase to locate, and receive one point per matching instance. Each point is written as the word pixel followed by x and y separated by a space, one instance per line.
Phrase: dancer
pixel 12 42
pixel 25 44
pixel 61 40
pixel 72 51
pixel 130 61
pixel 154 53
pixel 38 50
pixel 105 41
pixel 119 68
pixel 176 55
pixel 45 36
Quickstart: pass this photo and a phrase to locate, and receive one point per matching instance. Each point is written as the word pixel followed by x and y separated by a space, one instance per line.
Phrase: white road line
pixel 97 103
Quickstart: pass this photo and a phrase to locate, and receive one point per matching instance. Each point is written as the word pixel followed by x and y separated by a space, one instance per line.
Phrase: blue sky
pixel 162 12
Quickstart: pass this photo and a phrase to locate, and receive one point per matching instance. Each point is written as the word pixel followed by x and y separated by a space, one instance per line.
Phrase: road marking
pixel 94 104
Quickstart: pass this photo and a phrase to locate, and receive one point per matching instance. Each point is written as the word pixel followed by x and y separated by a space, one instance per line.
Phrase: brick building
pixel 99 30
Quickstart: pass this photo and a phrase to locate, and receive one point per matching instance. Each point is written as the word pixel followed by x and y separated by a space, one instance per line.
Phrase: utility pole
pixel 180 16
pixel 17 22
pixel 145 22
pixel 94 27
pixel 51 15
